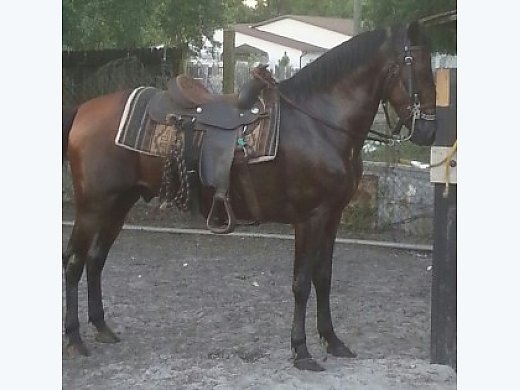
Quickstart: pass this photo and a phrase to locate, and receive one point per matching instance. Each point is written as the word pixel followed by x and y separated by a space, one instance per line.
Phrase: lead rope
pixel 447 165
pixel 447 161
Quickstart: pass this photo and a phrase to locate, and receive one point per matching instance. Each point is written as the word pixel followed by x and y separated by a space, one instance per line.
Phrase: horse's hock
pixel 394 196
pixel 66 184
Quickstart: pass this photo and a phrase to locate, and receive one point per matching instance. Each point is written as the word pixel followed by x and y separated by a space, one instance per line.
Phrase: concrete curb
pixel 381 244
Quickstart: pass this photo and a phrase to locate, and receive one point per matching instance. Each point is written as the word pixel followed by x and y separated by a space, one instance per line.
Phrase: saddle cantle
pixel 188 92
pixel 221 118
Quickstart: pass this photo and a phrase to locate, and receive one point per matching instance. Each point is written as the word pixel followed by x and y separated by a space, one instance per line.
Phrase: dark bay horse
pixel 326 113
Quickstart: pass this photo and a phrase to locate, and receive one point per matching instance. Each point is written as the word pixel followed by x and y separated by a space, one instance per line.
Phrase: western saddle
pixel 220 118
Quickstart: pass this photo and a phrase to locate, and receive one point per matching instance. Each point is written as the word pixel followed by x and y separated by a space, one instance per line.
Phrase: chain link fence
pixel 211 74
pixel 87 74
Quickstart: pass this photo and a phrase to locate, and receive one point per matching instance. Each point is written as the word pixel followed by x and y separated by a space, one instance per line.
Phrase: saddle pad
pixel 137 131
pixel 261 138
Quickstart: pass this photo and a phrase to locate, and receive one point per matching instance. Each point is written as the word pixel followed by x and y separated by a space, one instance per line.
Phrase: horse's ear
pixel 414 33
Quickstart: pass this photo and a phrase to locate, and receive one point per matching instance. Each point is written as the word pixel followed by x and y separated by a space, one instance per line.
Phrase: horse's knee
pixel 322 275
pixel 96 258
pixel 65 257
pixel 322 280
pixel 301 287
pixel 74 269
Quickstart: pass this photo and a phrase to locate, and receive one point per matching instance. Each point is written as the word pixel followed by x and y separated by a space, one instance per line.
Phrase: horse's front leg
pixel 307 245
pixel 321 278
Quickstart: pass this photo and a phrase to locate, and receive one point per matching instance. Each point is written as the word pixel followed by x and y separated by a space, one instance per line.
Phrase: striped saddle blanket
pixel 138 132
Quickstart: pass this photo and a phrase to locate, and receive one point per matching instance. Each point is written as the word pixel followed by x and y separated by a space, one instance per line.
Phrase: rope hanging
pixel 174 172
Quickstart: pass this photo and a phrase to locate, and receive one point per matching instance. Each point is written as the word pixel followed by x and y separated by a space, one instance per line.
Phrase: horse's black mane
pixel 327 69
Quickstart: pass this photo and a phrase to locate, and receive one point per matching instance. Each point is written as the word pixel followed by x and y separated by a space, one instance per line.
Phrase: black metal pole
pixel 444 270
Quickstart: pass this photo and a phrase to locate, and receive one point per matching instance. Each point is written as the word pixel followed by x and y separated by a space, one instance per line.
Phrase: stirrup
pixel 222 229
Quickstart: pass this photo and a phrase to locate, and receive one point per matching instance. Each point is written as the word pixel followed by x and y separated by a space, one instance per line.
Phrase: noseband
pixel 413 110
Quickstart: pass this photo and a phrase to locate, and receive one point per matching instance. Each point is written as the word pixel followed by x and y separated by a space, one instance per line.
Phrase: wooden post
pixel 228 59
pixel 444 270
pixel 357 17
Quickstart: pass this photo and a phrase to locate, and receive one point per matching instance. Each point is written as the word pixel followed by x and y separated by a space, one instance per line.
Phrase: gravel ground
pixel 212 312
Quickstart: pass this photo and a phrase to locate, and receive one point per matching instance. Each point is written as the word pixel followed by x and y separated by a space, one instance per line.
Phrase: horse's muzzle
pixel 424 132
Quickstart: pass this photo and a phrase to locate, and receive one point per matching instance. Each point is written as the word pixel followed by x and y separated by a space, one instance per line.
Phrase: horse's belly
pixel 289 195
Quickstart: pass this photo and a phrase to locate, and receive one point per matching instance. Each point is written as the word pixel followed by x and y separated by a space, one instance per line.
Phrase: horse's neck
pixel 358 95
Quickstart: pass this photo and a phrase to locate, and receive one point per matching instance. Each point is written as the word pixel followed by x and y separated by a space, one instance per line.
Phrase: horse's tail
pixel 67 119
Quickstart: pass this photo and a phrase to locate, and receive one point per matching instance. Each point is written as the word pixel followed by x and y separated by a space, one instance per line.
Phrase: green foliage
pixel 89 24
pixel 267 9
pixel 386 12
pixel 379 13
pixel 403 153
pixel 97 24
pixel 375 13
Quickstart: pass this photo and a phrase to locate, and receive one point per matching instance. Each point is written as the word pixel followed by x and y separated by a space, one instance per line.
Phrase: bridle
pixel 413 110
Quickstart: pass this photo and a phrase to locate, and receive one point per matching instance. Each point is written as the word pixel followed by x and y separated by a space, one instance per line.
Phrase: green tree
pixel 91 24
pixel 380 13
pixel 266 9
pixel 375 13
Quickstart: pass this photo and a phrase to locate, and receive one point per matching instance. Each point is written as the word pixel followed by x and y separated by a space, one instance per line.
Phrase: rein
pixel 271 83
pixel 414 110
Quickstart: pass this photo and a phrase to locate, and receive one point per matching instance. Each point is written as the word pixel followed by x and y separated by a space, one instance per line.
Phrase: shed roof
pixel 248 49
pixel 339 25
pixel 278 39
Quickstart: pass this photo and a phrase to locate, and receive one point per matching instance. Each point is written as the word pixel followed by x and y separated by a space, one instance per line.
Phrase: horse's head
pixel 409 86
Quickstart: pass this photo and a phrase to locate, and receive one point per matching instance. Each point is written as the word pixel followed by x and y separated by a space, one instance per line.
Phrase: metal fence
pixel 211 74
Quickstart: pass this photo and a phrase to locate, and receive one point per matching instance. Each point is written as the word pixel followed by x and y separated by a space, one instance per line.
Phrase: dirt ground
pixel 212 312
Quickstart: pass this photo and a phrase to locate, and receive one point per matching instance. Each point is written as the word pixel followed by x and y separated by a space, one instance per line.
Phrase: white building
pixel 301 38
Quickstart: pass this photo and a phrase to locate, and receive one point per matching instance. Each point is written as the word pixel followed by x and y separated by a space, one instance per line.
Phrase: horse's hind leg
pixel 73 264
pixel 94 232
pixel 108 232
pixel 321 278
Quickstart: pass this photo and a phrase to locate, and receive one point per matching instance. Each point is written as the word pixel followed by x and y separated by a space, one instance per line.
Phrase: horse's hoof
pixel 340 350
pixel 308 364
pixel 106 336
pixel 75 349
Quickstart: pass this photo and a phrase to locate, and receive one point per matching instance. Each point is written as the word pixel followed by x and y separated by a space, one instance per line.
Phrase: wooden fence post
pixel 228 59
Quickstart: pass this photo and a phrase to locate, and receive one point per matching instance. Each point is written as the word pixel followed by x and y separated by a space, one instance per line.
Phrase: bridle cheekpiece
pixel 414 110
